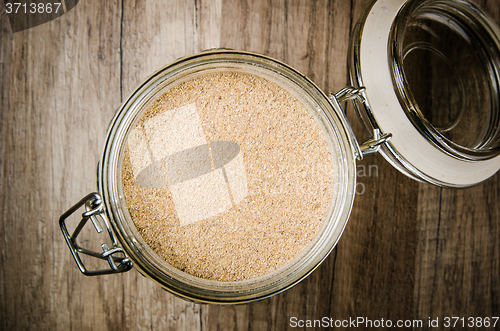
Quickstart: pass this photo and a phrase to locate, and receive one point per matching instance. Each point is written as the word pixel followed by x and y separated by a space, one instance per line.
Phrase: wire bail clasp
pixel 377 139
pixel 115 256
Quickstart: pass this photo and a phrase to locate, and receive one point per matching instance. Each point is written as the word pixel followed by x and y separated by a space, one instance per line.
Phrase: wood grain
pixel 409 251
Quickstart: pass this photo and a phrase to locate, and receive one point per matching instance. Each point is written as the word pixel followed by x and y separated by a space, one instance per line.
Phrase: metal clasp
pixel 115 256
pixel 377 138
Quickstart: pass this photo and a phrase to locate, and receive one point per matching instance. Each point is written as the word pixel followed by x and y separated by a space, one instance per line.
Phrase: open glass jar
pixel 180 151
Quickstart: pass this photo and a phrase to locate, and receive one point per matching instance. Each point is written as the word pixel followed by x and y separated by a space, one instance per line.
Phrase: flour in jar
pixel 227 176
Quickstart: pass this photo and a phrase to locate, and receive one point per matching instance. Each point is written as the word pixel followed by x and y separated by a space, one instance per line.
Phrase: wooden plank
pixel 370 274
pixel 157 33
pixel 59 86
pixel 154 34
pixel 61 83
pixel 458 252
pixel 375 263
pixel 409 251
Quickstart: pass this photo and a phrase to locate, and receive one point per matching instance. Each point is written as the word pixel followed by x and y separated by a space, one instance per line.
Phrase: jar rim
pixel 182 284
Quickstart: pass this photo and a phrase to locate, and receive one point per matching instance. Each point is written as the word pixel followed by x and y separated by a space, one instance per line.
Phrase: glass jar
pixel 431 74
pixel 409 131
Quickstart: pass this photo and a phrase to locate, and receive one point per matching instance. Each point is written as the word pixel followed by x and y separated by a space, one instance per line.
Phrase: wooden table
pixel 410 251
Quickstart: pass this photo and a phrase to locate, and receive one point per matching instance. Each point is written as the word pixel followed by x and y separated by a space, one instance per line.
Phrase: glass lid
pixel 431 70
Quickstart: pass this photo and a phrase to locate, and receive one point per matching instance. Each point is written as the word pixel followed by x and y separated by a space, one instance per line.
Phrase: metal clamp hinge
pixel 373 144
pixel 115 256
pixel 378 138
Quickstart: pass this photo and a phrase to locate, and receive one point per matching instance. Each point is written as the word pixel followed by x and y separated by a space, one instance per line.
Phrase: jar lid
pixel 431 75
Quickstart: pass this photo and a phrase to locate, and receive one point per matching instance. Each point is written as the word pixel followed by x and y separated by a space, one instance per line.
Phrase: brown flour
pixel 227 176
